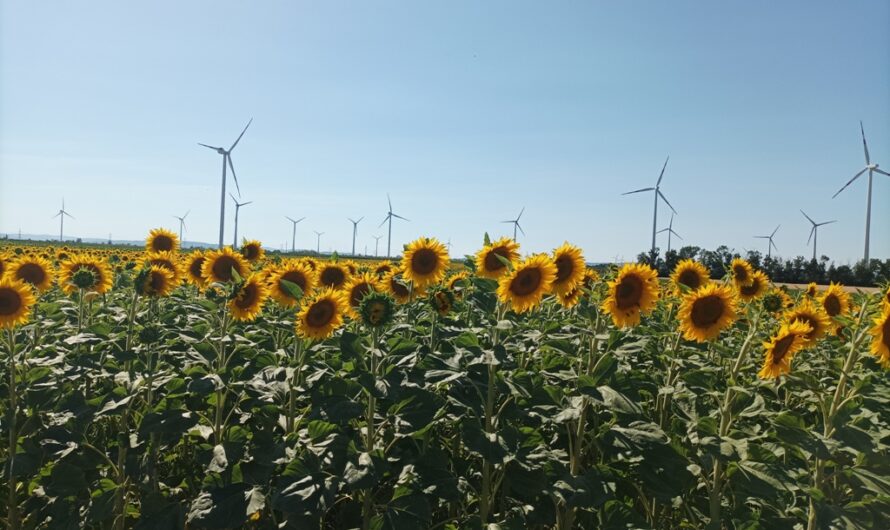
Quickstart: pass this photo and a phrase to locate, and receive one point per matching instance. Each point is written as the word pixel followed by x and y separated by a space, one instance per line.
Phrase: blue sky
pixel 464 111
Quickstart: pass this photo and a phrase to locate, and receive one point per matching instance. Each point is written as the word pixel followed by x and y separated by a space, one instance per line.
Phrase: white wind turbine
pixel 354 231
pixel 376 244
pixel 515 223
pixel 670 231
pixel 61 215
pixel 872 169
pixel 318 242
pixel 771 245
pixel 657 194
pixel 181 224
pixel 388 219
pixel 238 206
pixel 814 232
pixel 227 159
pixel 293 241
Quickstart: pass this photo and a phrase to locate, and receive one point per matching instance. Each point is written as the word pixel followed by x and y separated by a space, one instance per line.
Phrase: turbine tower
pixel 293 237
pixel 670 231
pixel 181 224
pixel 771 245
pixel 61 215
pixel 872 169
pixel 657 194
pixel 238 206
pixel 388 219
pixel 376 244
pixel 814 232
pixel 227 159
pixel 516 223
pixel 355 231
pixel 318 242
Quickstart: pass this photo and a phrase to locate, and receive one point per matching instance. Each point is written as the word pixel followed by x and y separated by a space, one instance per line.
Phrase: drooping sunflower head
pixel 569 299
pixel 248 301
pixel 102 278
pixel 377 309
pixel 690 274
pixel 252 250
pixel 525 286
pixel 33 270
pixel 357 288
pixel 194 267
pixel 351 266
pixel 755 289
pixel 219 264
pixel 490 259
pixel 813 316
pixel 161 240
pixel 707 311
pixel 880 332
pixel 777 300
pixel 296 272
pixel 393 284
pixel 442 300
pixel 782 347
pixel 322 314
pixel 742 271
pixel 458 282
pixel 154 281
pixel 570 268
pixel 16 300
pixel 835 300
pixel 425 262
pixel 633 292
pixel 167 260
pixel 383 268
pixel 812 290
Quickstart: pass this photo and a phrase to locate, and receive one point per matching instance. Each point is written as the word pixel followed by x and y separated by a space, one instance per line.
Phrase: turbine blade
pixel 209 146
pixel 882 172
pixel 389 201
pixel 773 245
pixel 638 191
pixel 58 214
pixel 240 135
pixel 360 219
pixel 385 219
pixel 864 145
pixel 522 211
pixel 676 234
pixel 774 231
pixel 662 230
pixel 300 219
pixel 68 214
pixel 233 197
pixel 665 200
pixel 827 222
pixel 289 219
pixel 807 216
pixel 186 214
pixel 400 217
pixel 856 176
pixel 245 203
pixel 761 237
pixel 519 226
pixel 661 175
pixel 811 234
pixel 234 176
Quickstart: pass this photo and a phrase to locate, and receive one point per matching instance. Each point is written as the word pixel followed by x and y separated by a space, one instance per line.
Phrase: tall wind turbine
pixel 238 206
pixel 355 231
pixel 814 232
pixel 670 231
pixel 61 215
pixel 657 194
pixel 388 219
pixel 516 223
pixel 181 224
pixel 227 159
pixel 376 244
pixel 293 237
pixel 771 245
pixel 872 169
pixel 318 242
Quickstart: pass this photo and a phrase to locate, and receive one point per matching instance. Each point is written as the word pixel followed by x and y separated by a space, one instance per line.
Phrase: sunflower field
pixel 221 389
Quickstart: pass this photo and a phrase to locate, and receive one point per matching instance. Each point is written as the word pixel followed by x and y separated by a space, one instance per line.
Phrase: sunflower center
pixel 320 314
pixel 492 263
pixel 162 243
pixel 333 276
pixel 526 282
pixel 378 310
pixel 564 268
pixel 195 267
pixel 740 273
pixel 250 252
pixel 357 293
pixel 31 273
pixel 707 311
pixel 222 268
pixel 832 305
pixel 295 277
pixel 781 348
pixel 629 292
pixel 424 261
pixel 247 297
pixel 10 301
pixel 157 281
pixel 690 279
pixel 398 288
pixel 752 289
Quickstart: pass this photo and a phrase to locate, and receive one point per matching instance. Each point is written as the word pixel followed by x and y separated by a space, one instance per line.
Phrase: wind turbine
pixel 814 232
pixel 771 245
pixel 182 224
pixel 376 244
pixel 516 223
pixel 238 206
pixel 61 215
pixel 355 231
pixel 227 159
pixel 318 242
pixel 388 219
pixel 872 169
pixel 293 242
pixel 670 230
pixel 657 190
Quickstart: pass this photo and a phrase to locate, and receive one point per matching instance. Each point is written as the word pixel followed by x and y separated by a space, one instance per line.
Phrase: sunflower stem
pixel 370 431
pixel 12 514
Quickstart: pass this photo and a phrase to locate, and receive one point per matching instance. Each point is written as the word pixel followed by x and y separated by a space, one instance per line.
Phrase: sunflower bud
pixel 150 334
pixel 377 309
pixel 84 279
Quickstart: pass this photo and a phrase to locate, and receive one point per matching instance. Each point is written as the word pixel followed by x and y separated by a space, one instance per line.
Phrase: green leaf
pixel 293 290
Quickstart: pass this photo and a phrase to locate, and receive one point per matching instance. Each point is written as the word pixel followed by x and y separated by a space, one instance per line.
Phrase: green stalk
pixel 218 426
pixel 370 431
pixel 12 516
pixel 293 383
pixel 490 399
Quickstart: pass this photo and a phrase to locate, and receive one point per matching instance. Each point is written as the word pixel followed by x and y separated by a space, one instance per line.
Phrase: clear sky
pixel 465 111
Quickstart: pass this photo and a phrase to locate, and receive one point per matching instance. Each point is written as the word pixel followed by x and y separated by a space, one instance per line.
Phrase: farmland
pixel 163 389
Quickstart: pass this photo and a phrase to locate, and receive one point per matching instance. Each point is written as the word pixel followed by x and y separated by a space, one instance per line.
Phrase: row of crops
pixel 221 389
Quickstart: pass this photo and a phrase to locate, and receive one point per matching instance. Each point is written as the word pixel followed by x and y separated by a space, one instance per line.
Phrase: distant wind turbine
pixel 814 232
pixel 657 194
pixel 388 219
pixel 376 244
pixel 771 245
pixel 872 169
pixel 61 215
pixel 354 232
pixel 181 224
pixel 293 242
pixel 238 206
pixel 227 159
pixel 516 223
pixel 670 231
pixel 318 242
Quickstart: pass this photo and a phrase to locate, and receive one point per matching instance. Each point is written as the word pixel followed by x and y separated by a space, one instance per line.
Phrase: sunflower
pixel 570 299
pixel 3 264
pixel 393 284
pixel 755 289
pixel 812 290
pixel 488 265
pixel 194 266
pixel 35 270
pixel 377 309
pixel 293 271
pixel 880 345
pixel 777 300
pixel 102 276
pixel 425 262
pixel 351 267
pixel 705 312
pixel 155 281
pixel 458 281
pixel 782 347
pixel 16 300
pixel 167 260
pixel 633 292
pixel 591 278
pixel 690 274
pixel 218 265
pixel 161 240
pixel 333 275
pixel 742 271
pixel 525 286
pixel 322 315
pixel 252 250
pixel 356 289
pixel 570 268
pixel 835 300
pixel 812 315
pixel 442 300
pixel 249 299
pixel 383 268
